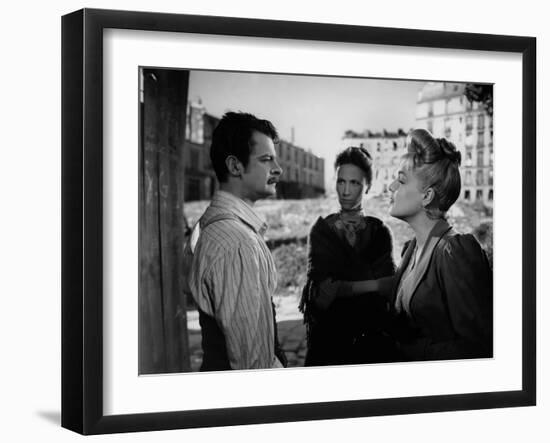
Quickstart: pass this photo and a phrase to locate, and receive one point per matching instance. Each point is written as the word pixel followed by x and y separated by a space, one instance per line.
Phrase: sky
pixel 320 109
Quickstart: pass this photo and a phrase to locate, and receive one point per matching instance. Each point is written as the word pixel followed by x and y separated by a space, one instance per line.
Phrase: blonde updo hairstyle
pixel 435 162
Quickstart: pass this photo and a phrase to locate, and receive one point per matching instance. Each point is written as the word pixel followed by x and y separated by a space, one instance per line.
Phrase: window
pixel 447 123
pixel 467 195
pixel 479 177
pixel 480 139
pixel 468 178
pixel 479 194
pixel 480 121
pixel 193 189
pixel 469 125
pixel 490 196
pixel 491 177
pixel 479 157
pixel 194 160
pixel 395 146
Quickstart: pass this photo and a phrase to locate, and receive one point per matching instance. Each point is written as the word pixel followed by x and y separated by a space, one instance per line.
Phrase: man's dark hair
pixel 232 137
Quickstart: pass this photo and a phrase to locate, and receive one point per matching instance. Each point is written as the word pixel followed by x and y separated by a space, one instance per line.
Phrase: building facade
pixel 385 148
pixel 200 179
pixel 444 110
pixel 303 172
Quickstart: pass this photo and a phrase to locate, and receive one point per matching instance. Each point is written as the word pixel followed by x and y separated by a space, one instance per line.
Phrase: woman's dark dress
pixel 351 330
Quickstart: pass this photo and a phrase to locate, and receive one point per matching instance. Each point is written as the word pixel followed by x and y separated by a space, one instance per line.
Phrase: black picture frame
pixel 82 218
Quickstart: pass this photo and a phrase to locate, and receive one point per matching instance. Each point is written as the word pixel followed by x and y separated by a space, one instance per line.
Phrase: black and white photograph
pixel 269 221
pixel 274 222
pixel 297 221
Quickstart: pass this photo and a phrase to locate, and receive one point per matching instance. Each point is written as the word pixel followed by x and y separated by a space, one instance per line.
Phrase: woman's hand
pixel 330 287
pixel 328 290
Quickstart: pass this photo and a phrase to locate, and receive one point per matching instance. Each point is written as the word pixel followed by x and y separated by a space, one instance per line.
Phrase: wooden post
pixel 163 335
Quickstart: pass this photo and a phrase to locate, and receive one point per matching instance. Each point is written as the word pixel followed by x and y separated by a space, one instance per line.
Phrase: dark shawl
pixel 332 333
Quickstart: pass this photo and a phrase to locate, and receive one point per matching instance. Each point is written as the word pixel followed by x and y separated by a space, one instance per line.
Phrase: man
pixel 233 275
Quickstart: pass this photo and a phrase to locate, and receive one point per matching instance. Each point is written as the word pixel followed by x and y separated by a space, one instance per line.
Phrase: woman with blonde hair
pixel 442 292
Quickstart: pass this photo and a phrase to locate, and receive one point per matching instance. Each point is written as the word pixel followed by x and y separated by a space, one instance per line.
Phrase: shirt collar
pixel 230 203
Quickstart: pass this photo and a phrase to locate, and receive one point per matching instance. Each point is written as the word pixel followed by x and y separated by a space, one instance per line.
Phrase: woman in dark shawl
pixel 348 245
pixel 442 293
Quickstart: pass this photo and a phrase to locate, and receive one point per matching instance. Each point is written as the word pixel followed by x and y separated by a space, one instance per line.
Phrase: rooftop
pixel 367 133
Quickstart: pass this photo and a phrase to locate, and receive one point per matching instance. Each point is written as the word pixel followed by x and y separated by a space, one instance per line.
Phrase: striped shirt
pixel 233 278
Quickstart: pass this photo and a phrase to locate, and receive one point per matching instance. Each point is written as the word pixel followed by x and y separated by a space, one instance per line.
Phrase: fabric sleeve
pixel 320 259
pixel 383 265
pixel 242 309
pixel 386 287
pixel 318 268
pixel 388 284
pixel 466 281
